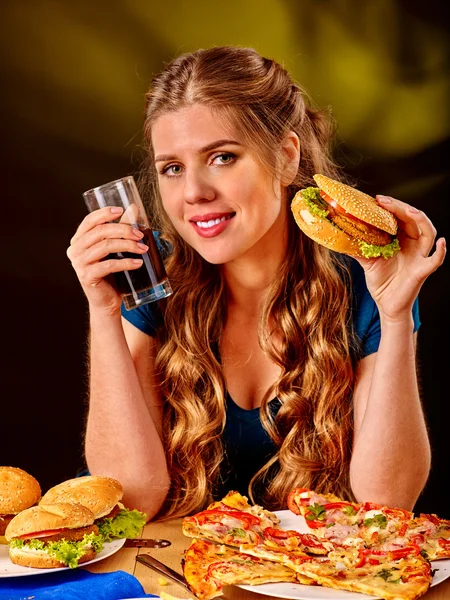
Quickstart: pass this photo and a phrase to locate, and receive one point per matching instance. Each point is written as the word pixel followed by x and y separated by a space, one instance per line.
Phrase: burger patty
pixel 362 231
pixel 71 535
pixel 115 511
pixel 4 522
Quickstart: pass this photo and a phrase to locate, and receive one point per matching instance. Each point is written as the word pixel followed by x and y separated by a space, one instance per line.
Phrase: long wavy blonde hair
pixel 308 301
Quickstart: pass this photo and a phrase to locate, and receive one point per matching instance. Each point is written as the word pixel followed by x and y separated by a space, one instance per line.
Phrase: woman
pixel 275 363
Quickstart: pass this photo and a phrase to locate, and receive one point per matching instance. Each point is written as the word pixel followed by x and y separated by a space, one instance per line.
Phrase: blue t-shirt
pixel 366 320
pixel 244 435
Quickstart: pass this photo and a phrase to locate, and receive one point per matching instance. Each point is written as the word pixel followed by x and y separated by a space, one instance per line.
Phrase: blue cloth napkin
pixel 73 585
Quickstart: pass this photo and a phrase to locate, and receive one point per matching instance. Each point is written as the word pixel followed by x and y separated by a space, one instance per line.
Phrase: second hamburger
pixel 102 496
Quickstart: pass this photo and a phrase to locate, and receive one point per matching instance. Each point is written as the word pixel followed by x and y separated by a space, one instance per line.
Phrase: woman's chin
pixel 217 256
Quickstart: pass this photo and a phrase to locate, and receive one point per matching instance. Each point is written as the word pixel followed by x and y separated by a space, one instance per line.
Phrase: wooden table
pixel 125 560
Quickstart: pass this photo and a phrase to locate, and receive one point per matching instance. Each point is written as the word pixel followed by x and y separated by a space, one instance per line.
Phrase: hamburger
pixel 53 536
pixel 345 220
pixel 102 496
pixel 18 490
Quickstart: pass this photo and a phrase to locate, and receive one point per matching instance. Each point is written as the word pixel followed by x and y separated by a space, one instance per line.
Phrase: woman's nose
pixel 198 188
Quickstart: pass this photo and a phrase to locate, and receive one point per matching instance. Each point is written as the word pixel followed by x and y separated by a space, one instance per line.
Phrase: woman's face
pixel 219 197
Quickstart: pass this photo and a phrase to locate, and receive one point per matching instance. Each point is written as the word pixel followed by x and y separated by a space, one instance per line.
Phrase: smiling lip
pixel 211 224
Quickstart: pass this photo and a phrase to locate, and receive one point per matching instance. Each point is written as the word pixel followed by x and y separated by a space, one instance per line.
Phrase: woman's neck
pixel 249 277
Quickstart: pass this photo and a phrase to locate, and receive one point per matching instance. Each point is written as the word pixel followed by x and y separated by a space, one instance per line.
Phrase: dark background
pixel 74 75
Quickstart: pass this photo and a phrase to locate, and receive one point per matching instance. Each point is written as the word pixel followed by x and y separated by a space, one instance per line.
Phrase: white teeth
pixel 210 223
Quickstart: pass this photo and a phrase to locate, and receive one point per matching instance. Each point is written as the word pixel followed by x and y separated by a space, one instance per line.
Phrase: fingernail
pixel 384 199
pixel 137 232
pixel 116 210
pixel 413 210
pixel 137 261
pixel 142 246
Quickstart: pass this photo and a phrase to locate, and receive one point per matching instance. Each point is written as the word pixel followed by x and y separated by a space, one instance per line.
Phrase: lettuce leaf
pixel 68 552
pixel 126 524
pixel 314 202
pixel 373 251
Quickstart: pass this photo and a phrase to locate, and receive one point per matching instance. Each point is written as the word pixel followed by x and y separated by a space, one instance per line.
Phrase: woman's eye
pixel 171 170
pixel 224 158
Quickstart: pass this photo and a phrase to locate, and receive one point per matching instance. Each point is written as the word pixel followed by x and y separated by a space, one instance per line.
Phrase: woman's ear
pixel 290 158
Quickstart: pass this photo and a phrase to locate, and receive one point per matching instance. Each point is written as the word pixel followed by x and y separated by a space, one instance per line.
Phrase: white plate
pixel 298 591
pixel 9 569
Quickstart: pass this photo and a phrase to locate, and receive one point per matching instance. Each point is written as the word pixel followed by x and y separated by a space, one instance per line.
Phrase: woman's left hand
pixel 394 283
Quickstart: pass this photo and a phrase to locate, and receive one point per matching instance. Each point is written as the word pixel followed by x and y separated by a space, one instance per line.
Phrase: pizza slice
pixel 330 517
pixel 370 525
pixel 383 574
pixel 208 567
pixel 294 540
pixel 225 526
pixel 348 523
pixel 428 532
pixel 233 521
pixel 235 501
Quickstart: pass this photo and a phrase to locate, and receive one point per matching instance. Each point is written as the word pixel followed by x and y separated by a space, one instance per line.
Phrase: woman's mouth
pixel 212 224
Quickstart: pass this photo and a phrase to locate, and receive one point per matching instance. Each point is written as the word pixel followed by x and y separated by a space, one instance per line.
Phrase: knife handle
pixel 159 567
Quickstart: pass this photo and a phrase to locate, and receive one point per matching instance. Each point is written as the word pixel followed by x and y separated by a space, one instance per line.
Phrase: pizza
pixel 366 548
pixel 382 574
pixel 233 521
pixel 370 525
pixel 208 567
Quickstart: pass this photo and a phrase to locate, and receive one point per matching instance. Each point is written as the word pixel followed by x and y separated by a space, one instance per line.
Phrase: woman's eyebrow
pixel 208 148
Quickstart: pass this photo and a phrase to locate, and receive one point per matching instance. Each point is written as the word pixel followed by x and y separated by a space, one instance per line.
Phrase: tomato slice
pixel 365 558
pixel 281 534
pixel 315 524
pixel 417 538
pixel 247 519
pixel 371 506
pixel 40 534
pixel 397 513
pixel 368 551
pixel 329 200
pixel 311 541
pixel 362 560
pixel 333 505
pixel 332 202
pixel 375 537
pixel 403 552
pixel 433 518
pixel 293 500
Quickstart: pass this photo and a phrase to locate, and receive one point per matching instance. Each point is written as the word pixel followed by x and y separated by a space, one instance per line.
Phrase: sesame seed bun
pixel 18 490
pixel 97 493
pixel 47 518
pixel 358 204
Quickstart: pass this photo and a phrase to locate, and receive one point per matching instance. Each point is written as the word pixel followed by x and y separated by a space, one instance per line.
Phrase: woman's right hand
pixel 94 240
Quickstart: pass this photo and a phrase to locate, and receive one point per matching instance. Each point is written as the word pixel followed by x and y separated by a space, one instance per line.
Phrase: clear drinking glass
pixel 149 282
